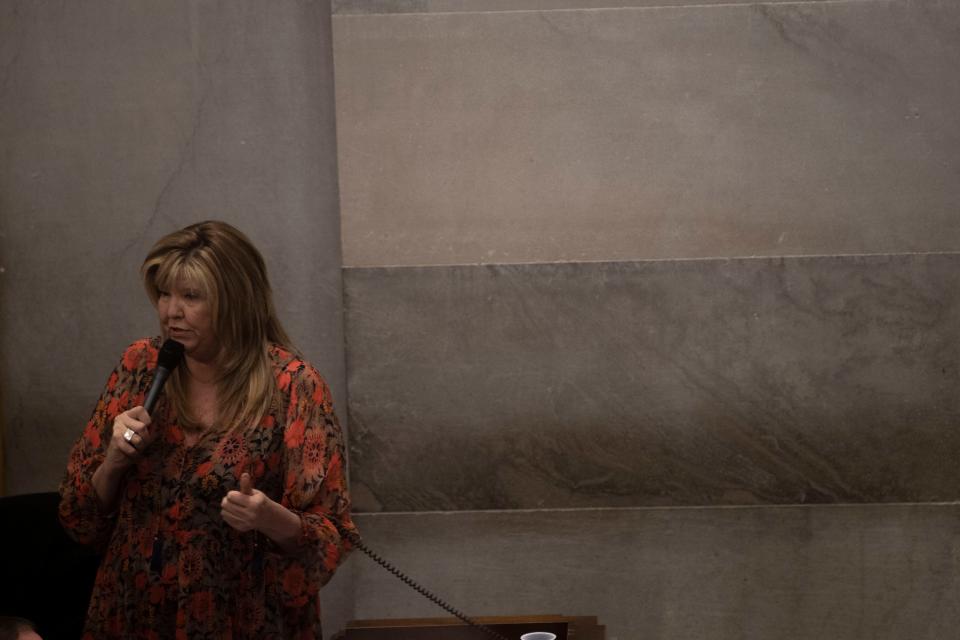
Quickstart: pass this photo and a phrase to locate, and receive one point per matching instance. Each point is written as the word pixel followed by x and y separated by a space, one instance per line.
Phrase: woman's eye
pixel 163 294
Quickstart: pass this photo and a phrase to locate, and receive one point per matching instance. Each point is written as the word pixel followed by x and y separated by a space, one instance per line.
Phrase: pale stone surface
pixel 121 122
pixel 884 572
pixel 697 382
pixel 677 131
pixel 370 7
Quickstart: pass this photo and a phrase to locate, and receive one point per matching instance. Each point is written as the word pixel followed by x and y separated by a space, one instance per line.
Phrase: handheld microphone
pixel 171 353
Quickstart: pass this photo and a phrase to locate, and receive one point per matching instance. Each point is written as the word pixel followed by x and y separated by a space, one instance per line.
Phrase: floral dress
pixel 172 568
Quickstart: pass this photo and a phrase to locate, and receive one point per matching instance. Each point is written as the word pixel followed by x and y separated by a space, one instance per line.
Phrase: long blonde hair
pixel 223 263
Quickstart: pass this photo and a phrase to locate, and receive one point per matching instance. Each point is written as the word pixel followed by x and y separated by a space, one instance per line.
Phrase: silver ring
pixel 128 435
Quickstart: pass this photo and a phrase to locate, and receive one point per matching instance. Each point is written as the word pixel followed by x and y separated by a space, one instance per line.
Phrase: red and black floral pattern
pixel 172 568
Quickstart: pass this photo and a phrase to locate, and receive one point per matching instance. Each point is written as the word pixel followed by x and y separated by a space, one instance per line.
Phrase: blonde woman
pixel 217 512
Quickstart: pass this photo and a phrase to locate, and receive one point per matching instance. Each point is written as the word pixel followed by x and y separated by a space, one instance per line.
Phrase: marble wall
pixel 551 227
pixel 885 572
pixel 697 382
pixel 663 132
pixel 121 122
pixel 611 264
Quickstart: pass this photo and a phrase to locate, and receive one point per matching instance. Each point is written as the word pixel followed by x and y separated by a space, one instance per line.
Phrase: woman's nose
pixel 176 307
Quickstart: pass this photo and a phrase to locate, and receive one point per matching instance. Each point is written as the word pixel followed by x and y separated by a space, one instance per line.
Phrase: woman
pixel 218 512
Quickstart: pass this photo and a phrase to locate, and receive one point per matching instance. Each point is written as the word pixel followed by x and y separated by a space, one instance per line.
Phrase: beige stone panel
pixel 884 572
pixel 370 7
pixel 662 383
pixel 648 132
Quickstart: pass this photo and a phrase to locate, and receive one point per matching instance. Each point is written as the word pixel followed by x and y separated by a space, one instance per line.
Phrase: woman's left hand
pixel 247 509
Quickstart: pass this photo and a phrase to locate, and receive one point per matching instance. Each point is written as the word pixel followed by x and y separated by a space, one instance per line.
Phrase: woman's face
pixel 187 317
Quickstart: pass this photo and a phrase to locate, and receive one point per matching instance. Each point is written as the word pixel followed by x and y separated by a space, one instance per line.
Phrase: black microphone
pixel 171 353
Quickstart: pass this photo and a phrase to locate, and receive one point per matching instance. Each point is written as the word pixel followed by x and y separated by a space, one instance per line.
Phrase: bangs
pixel 179 272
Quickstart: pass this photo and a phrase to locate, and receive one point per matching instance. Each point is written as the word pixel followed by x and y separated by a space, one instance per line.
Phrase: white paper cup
pixel 539 635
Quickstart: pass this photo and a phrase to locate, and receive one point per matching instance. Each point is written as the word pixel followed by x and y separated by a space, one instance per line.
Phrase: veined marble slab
pixel 698 382
pixel 703 130
pixel 371 7
pixel 884 572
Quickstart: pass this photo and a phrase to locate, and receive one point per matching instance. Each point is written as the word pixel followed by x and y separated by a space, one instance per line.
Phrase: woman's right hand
pixel 130 439
pixel 122 452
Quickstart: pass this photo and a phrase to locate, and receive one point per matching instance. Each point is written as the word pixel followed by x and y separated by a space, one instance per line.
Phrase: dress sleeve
pixel 314 484
pixel 81 512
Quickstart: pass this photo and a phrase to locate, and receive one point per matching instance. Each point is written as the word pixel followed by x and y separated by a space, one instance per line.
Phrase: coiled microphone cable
pixel 355 540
